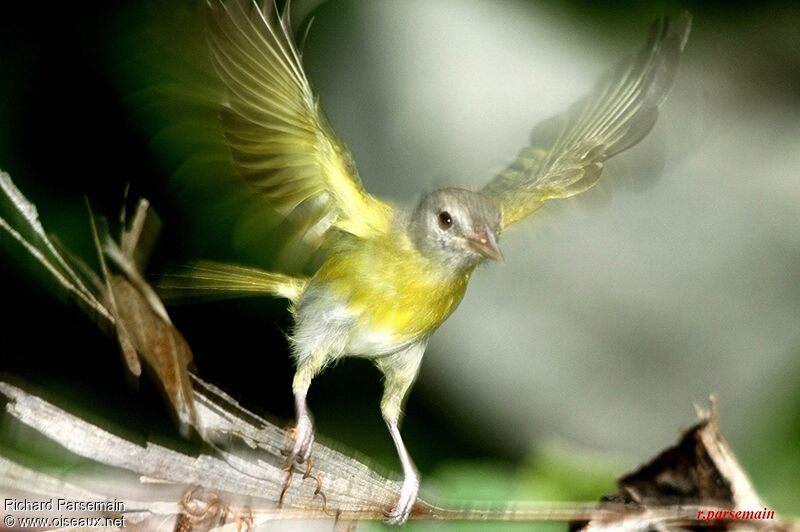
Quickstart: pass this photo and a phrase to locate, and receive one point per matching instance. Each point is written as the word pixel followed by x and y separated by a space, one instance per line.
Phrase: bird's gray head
pixel 458 226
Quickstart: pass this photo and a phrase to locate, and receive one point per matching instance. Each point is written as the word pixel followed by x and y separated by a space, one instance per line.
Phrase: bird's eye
pixel 445 220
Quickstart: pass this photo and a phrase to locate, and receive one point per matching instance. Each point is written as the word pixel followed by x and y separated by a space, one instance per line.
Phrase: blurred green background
pixel 573 362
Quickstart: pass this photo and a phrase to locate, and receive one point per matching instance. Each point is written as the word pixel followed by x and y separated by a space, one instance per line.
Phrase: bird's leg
pixel 304 428
pixel 410 488
pixel 303 431
pixel 400 370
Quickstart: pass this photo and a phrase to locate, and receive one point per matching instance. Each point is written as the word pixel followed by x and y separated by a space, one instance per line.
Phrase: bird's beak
pixel 485 243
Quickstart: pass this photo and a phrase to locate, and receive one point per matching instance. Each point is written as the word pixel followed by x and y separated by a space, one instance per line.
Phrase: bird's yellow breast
pixel 392 288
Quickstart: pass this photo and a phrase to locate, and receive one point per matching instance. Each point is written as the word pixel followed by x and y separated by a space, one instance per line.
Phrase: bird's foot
pixel 302 440
pixel 408 496
pixel 299 451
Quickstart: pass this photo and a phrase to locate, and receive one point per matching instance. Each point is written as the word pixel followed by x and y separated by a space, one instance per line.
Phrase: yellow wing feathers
pixel 279 138
pixel 615 116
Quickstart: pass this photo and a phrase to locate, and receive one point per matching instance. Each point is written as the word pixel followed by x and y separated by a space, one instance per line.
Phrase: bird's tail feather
pixel 215 280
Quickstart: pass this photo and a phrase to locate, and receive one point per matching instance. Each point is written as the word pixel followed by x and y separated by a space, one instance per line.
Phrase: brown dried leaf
pixel 157 342
pixel 143 327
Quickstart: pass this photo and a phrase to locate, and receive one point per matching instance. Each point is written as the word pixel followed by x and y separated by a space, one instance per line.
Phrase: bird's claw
pixel 408 496
pixel 303 438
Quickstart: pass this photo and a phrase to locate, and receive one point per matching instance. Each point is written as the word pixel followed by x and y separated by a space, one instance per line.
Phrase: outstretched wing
pixel 280 140
pixel 616 115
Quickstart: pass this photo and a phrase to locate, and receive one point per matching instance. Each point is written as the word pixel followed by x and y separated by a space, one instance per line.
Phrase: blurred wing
pixel 615 116
pixel 280 140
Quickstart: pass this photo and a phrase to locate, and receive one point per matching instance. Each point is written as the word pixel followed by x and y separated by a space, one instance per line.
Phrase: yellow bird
pixel 392 277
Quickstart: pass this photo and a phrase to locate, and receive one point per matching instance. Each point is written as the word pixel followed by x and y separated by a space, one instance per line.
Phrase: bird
pixel 390 276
